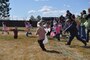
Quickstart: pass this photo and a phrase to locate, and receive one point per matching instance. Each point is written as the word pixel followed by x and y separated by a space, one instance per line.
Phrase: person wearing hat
pixel 68 14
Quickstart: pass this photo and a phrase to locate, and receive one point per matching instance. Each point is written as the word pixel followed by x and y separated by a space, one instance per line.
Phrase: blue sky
pixel 23 9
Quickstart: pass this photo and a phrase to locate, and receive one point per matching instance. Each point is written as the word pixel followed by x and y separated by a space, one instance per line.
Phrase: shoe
pixel 58 39
pixel 87 41
pixel 67 44
pixel 44 49
pixel 85 44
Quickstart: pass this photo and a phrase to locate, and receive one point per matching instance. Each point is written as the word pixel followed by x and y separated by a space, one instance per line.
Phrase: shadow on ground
pixel 88 47
pixel 53 51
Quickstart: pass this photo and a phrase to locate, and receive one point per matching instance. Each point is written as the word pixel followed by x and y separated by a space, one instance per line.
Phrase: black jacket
pixel 72 28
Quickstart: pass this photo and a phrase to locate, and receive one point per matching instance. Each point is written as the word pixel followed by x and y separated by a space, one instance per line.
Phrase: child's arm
pixel 37 31
pixel 11 29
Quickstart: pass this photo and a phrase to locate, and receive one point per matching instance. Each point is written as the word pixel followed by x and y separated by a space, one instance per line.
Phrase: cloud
pixel 76 13
pixel 48 11
pixel 45 9
pixel 31 11
pixel 65 5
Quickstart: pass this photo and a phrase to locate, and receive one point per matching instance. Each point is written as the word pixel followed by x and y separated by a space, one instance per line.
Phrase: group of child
pixel 71 25
pixel 15 29
pixel 56 27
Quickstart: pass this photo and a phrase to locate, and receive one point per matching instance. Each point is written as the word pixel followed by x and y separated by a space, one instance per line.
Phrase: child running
pixel 41 33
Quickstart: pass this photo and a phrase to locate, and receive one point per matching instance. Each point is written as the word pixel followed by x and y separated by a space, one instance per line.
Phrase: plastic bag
pixel 45 41
pixel 47 30
pixel 52 34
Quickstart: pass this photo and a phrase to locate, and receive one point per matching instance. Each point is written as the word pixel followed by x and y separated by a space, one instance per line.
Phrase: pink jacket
pixel 58 28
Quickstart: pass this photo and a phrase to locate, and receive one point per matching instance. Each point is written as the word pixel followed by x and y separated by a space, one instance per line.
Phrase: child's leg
pixel 82 40
pixel 27 34
pixel 7 32
pixel 58 37
pixel 61 34
pixel 15 37
pixel 70 39
pixel 88 35
pixel 30 33
pixel 2 31
pixel 41 44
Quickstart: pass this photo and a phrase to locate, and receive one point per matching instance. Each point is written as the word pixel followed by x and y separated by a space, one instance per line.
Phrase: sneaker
pixel 44 49
pixel 85 44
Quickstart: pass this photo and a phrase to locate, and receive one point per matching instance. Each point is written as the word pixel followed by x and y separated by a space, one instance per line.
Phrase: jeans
pixel 82 32
pixel 88 30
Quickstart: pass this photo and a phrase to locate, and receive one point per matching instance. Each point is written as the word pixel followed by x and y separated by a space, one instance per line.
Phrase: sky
pixel 23 9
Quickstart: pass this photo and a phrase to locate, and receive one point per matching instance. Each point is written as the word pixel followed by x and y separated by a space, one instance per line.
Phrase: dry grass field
pixel 27 48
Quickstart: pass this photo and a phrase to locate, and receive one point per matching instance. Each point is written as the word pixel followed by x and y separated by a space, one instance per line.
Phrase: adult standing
pixel 73 31
pixel 82 26
pixel 88 25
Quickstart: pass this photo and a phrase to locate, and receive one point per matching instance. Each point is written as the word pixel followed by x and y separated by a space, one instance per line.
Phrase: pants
pixel 82 32
pixel 58 37
pixel 88 30
pixel 71 37
pixel 28 33
pixel 41 44
pixel 15 37
pixel 79 30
